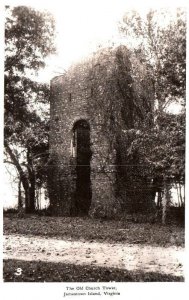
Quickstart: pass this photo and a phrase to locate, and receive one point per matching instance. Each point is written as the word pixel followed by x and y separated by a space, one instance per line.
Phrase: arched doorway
pixel 81 144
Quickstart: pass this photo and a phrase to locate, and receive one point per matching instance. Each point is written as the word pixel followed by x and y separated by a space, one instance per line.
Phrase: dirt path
pixel 123 256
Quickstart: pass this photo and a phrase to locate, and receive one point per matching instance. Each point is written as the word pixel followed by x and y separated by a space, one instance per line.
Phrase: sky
pixel 82 25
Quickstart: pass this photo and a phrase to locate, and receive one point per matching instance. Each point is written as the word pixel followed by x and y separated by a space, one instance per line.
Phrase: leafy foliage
pixel 29 38
pixel 161 40
pixel 160 150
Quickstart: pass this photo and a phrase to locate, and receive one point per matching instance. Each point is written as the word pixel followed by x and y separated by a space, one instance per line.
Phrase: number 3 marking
pixel 18 272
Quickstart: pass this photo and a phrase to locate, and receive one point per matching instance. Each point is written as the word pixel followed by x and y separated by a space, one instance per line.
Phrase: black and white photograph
pixel 94 134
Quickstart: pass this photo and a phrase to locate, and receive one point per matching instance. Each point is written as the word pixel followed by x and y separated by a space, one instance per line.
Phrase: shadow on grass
pixel 110 231
pixel 60 272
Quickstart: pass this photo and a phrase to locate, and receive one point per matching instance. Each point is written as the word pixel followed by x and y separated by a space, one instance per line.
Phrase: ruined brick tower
pixel 82 166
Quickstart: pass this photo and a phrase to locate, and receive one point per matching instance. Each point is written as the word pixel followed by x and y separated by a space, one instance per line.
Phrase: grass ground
pixel 95 230
pixel 56 272
pixel 90 231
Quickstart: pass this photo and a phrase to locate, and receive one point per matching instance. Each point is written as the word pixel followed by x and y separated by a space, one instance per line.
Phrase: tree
pixel 163 48
pixel 29 36
pixel 161 40
pixel 161 153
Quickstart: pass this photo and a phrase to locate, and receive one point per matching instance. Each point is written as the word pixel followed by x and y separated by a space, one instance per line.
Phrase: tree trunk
pixel 31 177
pixel 157 189
pixel 184 194
pixel 159 199
pixel 20 204
pixel 165 202
pixel 23 176
pixel 32 192
pixel 37 199
pixel 178 198
pixel 180 194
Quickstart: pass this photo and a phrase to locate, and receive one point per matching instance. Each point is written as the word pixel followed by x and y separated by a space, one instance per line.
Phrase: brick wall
pixel 74 96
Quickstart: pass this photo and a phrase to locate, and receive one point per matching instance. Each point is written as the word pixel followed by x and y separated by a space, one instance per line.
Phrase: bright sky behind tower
pixel 83 25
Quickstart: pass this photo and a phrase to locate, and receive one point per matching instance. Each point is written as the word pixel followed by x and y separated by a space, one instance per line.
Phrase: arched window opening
pixel 82 153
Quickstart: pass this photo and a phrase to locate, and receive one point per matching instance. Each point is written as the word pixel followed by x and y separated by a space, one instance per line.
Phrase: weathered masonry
pixel 83 177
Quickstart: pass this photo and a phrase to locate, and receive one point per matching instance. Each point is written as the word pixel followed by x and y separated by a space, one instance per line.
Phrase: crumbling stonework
pixel 79 103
